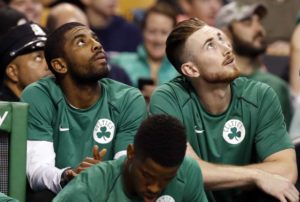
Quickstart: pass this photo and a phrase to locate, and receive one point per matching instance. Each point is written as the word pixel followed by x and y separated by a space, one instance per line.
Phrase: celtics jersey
pixel 251 129
pixel 104 182
pixel 281 89
pixel 110 123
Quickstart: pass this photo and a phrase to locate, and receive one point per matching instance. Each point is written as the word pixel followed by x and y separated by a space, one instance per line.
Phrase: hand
pixel 88 161
pixel 277 186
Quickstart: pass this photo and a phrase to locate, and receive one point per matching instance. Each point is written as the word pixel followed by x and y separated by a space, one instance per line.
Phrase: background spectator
pixel 115 32
pixel 149 67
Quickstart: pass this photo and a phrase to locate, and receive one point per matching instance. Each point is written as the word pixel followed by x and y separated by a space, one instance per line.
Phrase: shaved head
pixel 64 13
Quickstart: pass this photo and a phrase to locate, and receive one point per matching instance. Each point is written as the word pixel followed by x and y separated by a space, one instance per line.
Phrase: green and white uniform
pixel 251 129
pixel 104 182
pixel 281 89
pixel 111 123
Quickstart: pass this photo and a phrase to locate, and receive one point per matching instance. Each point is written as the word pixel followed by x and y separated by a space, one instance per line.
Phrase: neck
pixel 79 95
pixel 154 67
pixel 247 65
pixel 17 90
pixel 215 98
pixel 96 19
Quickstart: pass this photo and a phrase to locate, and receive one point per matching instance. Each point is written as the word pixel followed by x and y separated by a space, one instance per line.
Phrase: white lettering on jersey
pixel 165 198
pixel 2 118
pixel 104 131
pixel 234 131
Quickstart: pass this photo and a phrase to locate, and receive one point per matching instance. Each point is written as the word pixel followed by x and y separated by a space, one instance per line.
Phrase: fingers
pixel 282 199
pixel 292 194
pixel 101 154
pixel 86 163
pixel 95 152
pixel 98 155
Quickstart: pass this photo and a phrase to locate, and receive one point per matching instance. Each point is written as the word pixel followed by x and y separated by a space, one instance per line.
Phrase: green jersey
pixel 281 89
pixel 111 123
pixel 4 198
pixel 251 129
pixel 104 182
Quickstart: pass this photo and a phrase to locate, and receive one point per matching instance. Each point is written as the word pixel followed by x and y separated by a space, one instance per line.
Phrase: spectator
pixel 280 12
pixel 155 170
pixel 22 59
pixel 235 126
pixel 205 10
pixel 74 114
pixel 295 65
pixel 242 24
pixel 64 13
pixel 150 61
pixel 115 33
pixel 31 8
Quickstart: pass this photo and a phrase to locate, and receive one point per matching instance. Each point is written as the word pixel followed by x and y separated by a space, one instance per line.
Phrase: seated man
pixel 234 125
pixel 22 59
pixel 75 113
pixel 155 170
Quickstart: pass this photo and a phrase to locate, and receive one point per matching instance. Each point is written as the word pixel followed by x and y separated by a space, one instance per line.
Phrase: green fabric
pixel 103 182
pixel 282 90
pixel 4 198
pixel 137 66
pixel 14 121
pixel 254 114
pixel 111 123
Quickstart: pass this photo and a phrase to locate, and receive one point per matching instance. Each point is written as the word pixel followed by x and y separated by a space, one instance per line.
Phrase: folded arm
pixel 276 175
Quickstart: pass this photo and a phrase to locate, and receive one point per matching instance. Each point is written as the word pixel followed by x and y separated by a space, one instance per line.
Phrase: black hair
pixel 161 138
pixel 55 44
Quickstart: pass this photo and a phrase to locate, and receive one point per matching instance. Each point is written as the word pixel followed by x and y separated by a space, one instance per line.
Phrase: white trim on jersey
pixel 119 154
pixel 41 171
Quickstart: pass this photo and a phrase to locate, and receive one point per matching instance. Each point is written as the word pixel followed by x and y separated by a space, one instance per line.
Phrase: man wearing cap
pixel 242 24
pixel 235 126
pixel 21 59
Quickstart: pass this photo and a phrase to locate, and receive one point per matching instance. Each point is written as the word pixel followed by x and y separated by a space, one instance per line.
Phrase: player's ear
pixel 130 152
pixel 189 69
pixel 59 65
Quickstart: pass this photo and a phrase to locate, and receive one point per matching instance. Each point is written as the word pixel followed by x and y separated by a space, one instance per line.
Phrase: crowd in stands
pixel 155 100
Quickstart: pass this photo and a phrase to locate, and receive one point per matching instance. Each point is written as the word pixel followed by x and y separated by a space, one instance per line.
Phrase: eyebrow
pixel 207 41
pixel 78 36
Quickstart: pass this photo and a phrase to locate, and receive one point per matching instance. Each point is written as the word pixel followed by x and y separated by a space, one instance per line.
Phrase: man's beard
pixel 246 49
pixel 88 78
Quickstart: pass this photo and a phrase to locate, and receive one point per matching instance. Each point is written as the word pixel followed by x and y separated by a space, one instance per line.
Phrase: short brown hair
pixel 177 38
pixel 160 8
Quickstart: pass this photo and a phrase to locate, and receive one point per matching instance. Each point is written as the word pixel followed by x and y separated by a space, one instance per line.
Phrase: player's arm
pixel 265 175
pixel 132 114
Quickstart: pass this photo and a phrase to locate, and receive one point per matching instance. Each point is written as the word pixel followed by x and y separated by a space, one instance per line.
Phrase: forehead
pixel 155 169
pixel 202 35
pixel 78 31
